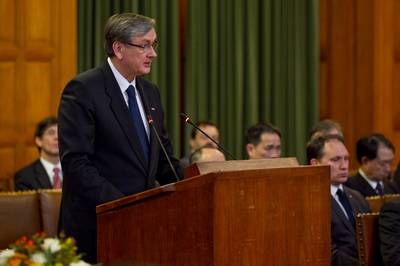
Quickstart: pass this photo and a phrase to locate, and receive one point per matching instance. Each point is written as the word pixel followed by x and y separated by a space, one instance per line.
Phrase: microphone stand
pixel 187 120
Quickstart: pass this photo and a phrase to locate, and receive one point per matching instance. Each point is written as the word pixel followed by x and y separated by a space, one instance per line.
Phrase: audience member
pixel 346 203
pixel 45 172
pixel 263 141
pixel 207 153
pixel 198 140
pixel 375 154
pixel 389 232
pixel 326 127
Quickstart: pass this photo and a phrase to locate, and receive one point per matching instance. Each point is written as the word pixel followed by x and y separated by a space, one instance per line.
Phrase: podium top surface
pixel 207 178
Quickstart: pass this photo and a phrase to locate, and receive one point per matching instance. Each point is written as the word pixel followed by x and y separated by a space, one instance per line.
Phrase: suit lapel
pixel 121 112
pixel 368 188
pixel 41 175
pixel 339 212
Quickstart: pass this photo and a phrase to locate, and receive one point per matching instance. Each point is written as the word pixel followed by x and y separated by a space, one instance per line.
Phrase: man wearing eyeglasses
pixel 108 148
pixel 375 154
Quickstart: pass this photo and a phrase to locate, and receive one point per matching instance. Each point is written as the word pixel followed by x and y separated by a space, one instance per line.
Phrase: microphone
pixel 151 124
pixel 189 121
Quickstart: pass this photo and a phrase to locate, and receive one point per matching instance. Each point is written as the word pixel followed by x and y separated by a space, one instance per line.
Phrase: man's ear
pixel 38 142
pixel 314 161
pixel 117 48
pixel 249 149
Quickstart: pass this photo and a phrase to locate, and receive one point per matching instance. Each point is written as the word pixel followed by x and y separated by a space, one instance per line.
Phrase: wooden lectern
pixel 278 216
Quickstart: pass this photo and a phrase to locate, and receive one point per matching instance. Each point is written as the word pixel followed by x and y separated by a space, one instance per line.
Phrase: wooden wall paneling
pixel 39 21
pixel 37 57
pixel 38 94
pixel 7 102
pixel 360 55
pixel 337 62
pixel 7 155
pixel 7 13
pixel 363 104
pixel 8 77
pixel 396 77
pixel 383 67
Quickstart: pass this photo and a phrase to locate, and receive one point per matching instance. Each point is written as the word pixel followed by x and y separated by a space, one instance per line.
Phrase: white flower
pixel 39 258
pixel 5 255
pixel 51 244
pixel 79 263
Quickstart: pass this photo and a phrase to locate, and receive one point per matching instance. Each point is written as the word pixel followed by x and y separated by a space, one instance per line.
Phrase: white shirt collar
pixel 334 189
pixel 48 166
pixel 122 82
pixel 372 183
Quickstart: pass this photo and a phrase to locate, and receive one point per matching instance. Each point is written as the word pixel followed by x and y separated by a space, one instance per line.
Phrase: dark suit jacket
pixel 343 235
pixel 31 177
pixel 100 152
pixel 389 232
pixel 358 183
pixel 396 176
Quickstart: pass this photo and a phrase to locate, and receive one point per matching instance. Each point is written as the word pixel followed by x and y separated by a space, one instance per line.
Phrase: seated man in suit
pixel 263 141
pixel 198 140
pixel 45 172
pixel 207 153
pixel 375 154
pixel 389 232
pixel 346 203
pixel 324 128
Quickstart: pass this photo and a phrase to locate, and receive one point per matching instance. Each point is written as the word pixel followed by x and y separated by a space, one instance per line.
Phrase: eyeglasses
pixel 145 47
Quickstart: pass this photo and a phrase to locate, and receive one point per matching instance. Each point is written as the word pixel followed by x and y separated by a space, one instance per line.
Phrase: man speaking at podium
pixel 108 121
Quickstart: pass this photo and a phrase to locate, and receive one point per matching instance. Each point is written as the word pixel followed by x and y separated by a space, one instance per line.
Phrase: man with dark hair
pixel 198 140
pixel 346 203
pixel 108 119
pixel 324 128
pixel 389 232
pixel 375 154
pixel 45 172
pixel 263 141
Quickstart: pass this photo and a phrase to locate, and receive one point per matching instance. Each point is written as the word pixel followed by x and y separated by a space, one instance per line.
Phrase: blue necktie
pixel 347 207
pixel 137 121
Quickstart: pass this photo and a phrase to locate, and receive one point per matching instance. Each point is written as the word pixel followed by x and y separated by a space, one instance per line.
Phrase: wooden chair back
pixel 368 239
pixel 375 202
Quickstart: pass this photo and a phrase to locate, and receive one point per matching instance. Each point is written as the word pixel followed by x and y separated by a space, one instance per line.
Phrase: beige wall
pixel 37 58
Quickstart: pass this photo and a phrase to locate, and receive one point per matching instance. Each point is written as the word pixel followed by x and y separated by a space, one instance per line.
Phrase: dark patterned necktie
pixel 57 183
pixel 346 205
pixel 379 189
pixel 137 121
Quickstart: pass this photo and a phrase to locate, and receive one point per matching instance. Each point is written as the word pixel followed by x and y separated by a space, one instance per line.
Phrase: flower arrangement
pixel 42 251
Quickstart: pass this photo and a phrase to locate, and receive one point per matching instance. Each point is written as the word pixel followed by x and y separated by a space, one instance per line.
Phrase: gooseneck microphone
pixel 187 119
pixel 151 123
pixel 152 126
